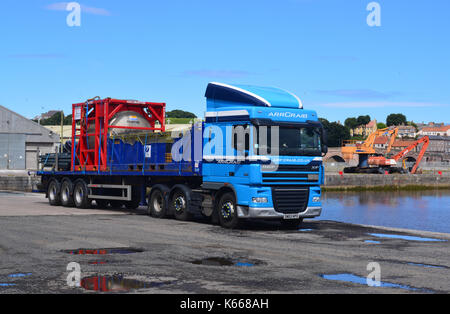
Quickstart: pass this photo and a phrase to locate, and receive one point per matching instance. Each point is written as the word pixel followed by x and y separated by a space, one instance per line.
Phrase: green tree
pixel 363 120
pixel 381 126
pixel 395 119
pixel 336 132
pixel 180 114
pixel 351 123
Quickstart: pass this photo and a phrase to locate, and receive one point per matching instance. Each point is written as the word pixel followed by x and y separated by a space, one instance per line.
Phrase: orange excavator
pixel 388 164
pixel 366 149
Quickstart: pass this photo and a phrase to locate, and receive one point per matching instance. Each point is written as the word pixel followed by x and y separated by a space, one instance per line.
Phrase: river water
pixel 418 210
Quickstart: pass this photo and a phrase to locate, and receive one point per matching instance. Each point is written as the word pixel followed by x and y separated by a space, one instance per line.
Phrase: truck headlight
pixel 313 177
pixel 259 199
pixel 316 199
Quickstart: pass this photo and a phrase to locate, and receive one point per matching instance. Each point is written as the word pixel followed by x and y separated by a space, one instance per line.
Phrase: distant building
pixel 400 145
pixel 407 131
pixel 435 131
pixel 365 130
pixel 47 115
pixel 439 144
pixel 381 142
pixel 20 141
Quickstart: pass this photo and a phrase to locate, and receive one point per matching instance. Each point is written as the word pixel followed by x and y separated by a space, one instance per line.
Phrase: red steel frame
pixel 98 112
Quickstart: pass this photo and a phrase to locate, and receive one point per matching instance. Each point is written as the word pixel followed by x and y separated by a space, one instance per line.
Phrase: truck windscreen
pixel 288 141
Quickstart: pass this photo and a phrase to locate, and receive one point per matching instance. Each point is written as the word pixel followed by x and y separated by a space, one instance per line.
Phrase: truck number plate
pixel 291 216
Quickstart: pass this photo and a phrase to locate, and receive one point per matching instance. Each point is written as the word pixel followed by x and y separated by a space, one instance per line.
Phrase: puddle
pixel 117 284
pixel 242 264
pixel 425 265
pixel 305 230
pixel 19 275
pixel 103 251
pixel 214 261
pixel 405 237
pixel 7 285
pixel 372 241
pixel 363 281
pixel 221 261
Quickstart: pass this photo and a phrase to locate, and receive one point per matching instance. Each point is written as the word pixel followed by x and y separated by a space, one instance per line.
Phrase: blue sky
pixel 321 50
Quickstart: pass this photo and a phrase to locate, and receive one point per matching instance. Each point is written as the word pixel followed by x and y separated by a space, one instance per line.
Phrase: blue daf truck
pixel 257 155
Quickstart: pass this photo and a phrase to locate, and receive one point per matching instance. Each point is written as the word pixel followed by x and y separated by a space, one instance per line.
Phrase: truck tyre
pixel 158 204
pixel 180 203
pixel 53 192
pixel 67 193
pixel 80 195
pixel 227 211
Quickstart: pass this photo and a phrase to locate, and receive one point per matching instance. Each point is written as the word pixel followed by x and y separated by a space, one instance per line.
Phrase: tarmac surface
pixel 129 252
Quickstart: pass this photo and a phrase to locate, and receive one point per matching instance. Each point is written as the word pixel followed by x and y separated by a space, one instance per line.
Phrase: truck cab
pixel 263 148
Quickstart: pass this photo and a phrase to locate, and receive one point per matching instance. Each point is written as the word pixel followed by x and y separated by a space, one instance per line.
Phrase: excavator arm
pixel 426 141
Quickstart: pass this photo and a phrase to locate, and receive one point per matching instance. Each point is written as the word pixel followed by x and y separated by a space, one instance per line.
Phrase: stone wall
pixel 371 180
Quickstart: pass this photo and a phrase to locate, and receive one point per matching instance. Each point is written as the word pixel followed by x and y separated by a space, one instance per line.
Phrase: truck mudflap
pixel 261 212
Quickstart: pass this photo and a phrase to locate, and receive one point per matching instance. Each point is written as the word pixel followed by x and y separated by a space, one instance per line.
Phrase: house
pixel 400 145
pixel 21 140
pixel 365 130
pixel 381 142
pixel 407 131
pixel 435 131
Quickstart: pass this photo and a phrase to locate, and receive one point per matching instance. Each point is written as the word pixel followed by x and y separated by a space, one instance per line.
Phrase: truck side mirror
pixel 324 142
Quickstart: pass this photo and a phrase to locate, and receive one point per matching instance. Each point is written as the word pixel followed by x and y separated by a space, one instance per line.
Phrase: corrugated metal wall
pixel 12 151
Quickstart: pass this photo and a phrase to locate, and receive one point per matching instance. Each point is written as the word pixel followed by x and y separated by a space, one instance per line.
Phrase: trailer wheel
pixel 53 192
pixel 180 205
pixel 227 210
pixel 157 204
pixel 80 195
pixel 67 193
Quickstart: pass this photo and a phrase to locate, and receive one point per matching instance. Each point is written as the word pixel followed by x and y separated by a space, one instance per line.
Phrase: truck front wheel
pixel 227 210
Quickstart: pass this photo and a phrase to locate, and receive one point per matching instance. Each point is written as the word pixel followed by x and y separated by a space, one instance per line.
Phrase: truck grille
pixel 290 200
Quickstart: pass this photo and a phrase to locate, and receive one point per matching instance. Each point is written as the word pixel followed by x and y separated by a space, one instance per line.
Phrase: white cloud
pixel 61 6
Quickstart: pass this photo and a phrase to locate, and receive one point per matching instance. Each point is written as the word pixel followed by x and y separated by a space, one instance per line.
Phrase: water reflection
pixel 117 283
pixel 420 210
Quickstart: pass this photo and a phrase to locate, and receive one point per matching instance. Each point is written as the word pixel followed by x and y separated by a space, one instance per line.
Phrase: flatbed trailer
pixel 121 155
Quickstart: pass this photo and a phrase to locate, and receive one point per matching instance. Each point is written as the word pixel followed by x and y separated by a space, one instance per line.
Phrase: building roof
pixel 12 122
pixel 444 128
pixel 402 143
pixel 381 140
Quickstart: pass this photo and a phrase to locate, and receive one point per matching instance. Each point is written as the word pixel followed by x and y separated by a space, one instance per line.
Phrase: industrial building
pixel 21 140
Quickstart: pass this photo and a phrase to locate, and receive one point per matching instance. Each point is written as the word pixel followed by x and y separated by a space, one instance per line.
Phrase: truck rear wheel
pixel 157 204
pixel 227 210
pixel 53 192
pixel 67 193
pixel 80 195
pixel 180 203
